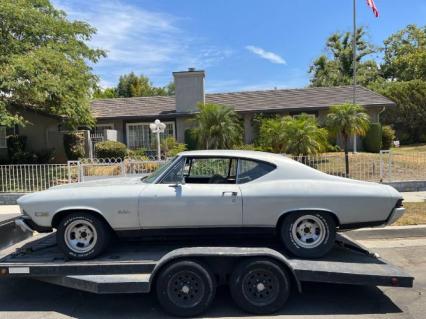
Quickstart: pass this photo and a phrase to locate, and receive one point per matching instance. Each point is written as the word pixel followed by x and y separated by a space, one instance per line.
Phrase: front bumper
pixel 395 215
pixel 27 224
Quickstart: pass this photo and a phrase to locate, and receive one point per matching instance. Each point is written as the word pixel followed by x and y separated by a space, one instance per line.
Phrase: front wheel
pixel 82 236
pixel 308 234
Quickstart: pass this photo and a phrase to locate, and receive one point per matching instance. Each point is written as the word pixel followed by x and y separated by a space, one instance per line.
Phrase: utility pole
pixel 354 65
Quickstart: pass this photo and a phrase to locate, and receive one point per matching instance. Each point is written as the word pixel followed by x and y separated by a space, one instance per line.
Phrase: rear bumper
pixel 27 224
pixel 395 215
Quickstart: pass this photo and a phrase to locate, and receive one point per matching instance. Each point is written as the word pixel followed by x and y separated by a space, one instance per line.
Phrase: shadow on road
pixel 25 295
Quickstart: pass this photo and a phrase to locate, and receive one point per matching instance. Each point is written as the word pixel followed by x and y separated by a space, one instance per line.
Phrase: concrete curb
pixel 388 232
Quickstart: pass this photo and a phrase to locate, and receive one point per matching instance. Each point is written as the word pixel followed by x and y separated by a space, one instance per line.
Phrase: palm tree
pixel 304 136
pixel 218 127
pixel 348 120
pixel 296 136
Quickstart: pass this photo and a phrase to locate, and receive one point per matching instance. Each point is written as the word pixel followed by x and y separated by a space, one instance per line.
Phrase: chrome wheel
pixel 80 236
pixel 308 231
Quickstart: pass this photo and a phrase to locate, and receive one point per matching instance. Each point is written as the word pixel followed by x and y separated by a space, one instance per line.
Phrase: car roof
pixel 262 156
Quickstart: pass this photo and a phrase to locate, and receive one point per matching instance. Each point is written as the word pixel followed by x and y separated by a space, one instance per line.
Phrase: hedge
pixel 110 149
pixel 388 136
pixel 373 138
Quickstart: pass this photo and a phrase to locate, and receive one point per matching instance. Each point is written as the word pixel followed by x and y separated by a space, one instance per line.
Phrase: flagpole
pixel 354 64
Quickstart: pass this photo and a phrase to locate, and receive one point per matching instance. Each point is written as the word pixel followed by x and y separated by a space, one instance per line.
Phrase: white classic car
pixel 212 192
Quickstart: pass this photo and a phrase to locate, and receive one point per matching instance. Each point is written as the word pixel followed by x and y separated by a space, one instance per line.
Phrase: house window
pixel 100 128
pixel 3 143
pixel 139 135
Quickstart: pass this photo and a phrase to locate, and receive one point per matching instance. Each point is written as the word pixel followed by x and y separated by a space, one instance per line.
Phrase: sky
pixel 241 44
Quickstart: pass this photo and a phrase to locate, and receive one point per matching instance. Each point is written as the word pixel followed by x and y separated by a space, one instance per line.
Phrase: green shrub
pixel 110 149
pixel 16 144
pixel 388 136
pixel 74 145
pixel 333 148
pixel 171 148
pixel 191 139
pixel 250 147
pixel 45 156
pixel 373 138
pixel 137 153
pixel 24 158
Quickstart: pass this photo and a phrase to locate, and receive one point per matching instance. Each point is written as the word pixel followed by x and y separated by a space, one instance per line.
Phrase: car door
pixel 200 202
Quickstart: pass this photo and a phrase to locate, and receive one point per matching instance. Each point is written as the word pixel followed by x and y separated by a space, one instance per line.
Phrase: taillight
pixel 399 203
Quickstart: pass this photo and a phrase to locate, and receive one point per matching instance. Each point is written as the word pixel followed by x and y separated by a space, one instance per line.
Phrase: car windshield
pixel 151 178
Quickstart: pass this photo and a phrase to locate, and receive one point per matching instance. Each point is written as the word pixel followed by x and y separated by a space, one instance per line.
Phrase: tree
pixel 336 67
pixel 296 136
pixel 131 85
pixel 108 93
pixel 408 116
pixel 347 120
pixel 304 136
pixel 43 62
pixel 405 54
pixel 218 127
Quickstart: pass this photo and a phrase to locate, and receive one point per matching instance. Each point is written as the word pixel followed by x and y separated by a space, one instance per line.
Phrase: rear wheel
pixel 82 236
pixel 308 234
pixel 260 286
pixel 185 288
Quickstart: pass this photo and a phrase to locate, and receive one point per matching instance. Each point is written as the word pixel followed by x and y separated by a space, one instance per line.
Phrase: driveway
pixel 20 298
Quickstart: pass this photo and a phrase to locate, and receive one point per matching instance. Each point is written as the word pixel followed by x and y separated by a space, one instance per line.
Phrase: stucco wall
pixel 36 130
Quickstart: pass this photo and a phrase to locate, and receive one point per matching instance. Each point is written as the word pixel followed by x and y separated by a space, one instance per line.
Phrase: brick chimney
pixel 189 90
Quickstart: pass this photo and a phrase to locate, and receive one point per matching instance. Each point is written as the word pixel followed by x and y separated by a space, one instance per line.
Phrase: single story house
pixel 131 116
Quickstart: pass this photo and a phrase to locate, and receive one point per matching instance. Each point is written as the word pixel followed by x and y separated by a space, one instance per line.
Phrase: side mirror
pixel 179 182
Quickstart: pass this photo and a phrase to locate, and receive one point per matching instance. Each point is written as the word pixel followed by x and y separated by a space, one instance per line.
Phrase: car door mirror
pixel 180 180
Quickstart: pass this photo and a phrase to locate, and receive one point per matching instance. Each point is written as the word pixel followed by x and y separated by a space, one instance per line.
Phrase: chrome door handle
pixel 235 194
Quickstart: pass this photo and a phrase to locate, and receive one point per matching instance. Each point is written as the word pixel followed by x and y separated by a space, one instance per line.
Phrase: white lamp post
pixel 156 128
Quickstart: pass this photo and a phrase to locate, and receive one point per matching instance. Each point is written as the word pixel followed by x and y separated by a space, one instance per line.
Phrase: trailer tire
pixel 260 286
pixel 185 288
pixel 91 230
pixel 308 234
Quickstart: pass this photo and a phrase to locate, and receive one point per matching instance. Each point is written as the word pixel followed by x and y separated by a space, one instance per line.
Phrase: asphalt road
pixel 22 298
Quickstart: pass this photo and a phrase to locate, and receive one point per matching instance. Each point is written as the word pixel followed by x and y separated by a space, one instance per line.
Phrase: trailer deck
pixel 130 267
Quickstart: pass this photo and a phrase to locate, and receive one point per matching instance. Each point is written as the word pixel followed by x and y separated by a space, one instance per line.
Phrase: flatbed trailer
pixel 185 273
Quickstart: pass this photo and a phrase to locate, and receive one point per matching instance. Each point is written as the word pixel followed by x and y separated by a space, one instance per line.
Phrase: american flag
pixel 372 5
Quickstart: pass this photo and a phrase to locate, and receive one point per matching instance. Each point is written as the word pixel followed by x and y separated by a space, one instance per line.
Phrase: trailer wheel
pixel 82 236
pixel 185 288
pixel 260 286
pixel 308 234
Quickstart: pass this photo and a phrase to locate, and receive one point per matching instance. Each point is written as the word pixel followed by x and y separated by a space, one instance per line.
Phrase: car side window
pixel 210 170
pixel 175 175
pixel 249 170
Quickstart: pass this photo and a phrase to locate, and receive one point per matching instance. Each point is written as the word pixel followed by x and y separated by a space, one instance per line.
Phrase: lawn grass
pixel 415 214
pixel 415 148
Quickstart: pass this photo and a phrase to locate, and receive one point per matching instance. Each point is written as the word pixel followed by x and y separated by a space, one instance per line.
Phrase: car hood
pixel 113 181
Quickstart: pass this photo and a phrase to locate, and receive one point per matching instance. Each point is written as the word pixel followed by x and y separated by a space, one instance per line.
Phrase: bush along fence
pixel 383 167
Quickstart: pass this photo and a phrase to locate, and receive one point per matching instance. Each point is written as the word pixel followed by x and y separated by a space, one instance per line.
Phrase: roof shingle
pixel 249 101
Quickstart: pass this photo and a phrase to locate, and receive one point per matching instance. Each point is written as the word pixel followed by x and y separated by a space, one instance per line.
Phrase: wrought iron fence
pixel 32 177
pixel 383 167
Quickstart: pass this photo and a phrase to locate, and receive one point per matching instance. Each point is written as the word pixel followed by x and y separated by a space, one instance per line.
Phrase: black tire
pixel 94 225
pixel 260 286
pixel 319 224
pixel 185 288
